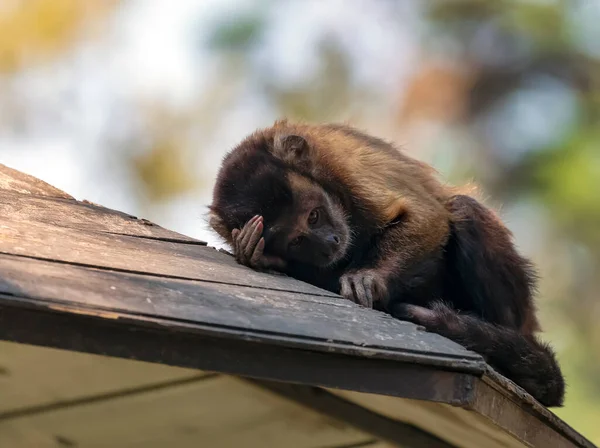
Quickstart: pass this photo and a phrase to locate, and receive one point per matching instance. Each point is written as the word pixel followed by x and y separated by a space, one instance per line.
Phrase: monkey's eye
pixel 313 216
pixel 296 241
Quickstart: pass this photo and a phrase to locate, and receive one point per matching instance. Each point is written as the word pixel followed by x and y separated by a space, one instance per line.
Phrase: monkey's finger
pixel 247 237
pixel 235 233
pixel 238 242
pixel 360 293
pixel 247 227
pixel 255 237
pixel 251 221
pixel 380 291
pixel 255 259
pixel 234 236
pixel 245 230
pixel 239 235
pixel 368 285
pixel 346 289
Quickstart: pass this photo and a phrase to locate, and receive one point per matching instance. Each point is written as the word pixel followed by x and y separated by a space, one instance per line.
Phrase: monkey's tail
pixel 522 358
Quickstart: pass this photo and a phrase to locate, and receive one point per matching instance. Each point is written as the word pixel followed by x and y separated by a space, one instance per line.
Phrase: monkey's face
pixel 313 229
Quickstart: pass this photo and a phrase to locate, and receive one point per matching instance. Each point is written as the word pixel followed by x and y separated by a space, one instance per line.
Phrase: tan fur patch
pixel 299 183
pixel 386 181
pixel 380 177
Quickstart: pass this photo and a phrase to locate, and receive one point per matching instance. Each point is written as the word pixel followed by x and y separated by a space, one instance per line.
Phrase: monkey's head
pixel 302 221
pixel 311 228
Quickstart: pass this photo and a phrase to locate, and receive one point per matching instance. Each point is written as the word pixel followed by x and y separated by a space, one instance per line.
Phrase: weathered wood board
pixel 88 279
pixel 53 409
pixel 138 255
pixel 33 377
pixel 12 180
pixel 312 321
pixel 71 214
pixel 215 411
pixel 465 427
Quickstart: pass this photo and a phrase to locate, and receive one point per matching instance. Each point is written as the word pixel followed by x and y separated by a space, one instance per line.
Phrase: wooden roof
pixel 225 356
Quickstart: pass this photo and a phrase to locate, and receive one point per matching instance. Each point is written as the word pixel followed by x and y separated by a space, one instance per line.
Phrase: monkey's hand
pixel 249 246
pixel 426 317
pixel 440 319
pixel 364 287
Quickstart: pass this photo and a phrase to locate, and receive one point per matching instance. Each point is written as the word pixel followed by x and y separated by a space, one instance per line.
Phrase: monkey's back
pixel 376 172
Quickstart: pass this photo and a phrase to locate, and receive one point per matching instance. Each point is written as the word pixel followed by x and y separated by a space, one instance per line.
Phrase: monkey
pixel 353 214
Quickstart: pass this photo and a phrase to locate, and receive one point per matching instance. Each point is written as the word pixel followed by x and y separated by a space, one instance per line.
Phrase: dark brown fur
pixel 404 242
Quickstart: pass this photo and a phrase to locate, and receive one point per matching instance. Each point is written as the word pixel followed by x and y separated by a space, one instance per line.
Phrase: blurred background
pixel 133 104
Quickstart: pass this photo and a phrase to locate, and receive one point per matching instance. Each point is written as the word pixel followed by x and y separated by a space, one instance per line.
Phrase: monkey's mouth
pixel 329 258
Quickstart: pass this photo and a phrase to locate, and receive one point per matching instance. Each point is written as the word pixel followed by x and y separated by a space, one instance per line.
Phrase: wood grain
pixel 307 319
pixel 81 277
pixel 16 181
pixel 83 216
pixel 70 376
pixel 458 426
pixel 140 255
pixel 216 412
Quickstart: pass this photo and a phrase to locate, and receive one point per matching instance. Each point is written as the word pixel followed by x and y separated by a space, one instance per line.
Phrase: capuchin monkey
pixel 350 213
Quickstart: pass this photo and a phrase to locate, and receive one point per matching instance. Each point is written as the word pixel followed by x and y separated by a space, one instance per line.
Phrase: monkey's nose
pixel 333 239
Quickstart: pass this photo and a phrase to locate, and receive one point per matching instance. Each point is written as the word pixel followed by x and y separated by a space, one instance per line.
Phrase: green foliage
pixel 164 171
pixel 569 182
pixel 238 33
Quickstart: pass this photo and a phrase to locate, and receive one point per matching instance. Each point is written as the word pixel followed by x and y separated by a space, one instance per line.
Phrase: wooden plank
pixel 16 181
pixel 215 345
pixel 70 376
pixel 129 254
pixel 489 418
pixel 111 395
pixel 224 350
pixel 311 321
pixel 81 215
pixel 219 411
pixel 529 422
pixel 453 424
pixel 392 431
pixel 76 379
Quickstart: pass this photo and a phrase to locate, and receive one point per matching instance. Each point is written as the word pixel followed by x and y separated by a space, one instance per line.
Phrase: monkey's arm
pixel 401 260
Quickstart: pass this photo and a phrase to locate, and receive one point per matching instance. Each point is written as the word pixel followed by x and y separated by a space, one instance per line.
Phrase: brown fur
pixel 404 242
pixel 386 179
pixel 385 182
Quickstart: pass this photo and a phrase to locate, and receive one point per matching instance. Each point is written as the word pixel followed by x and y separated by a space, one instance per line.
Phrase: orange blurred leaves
pixel 436 92
pixel 34 30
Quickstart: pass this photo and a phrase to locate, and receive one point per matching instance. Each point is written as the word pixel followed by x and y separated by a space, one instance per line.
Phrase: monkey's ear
pixel 292 149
